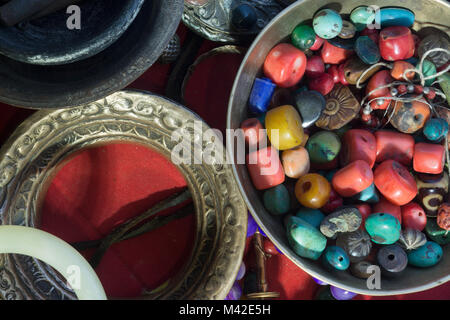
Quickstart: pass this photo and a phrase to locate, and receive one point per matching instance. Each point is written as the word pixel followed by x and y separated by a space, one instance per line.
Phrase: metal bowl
pixel 61 86
pixel 277 31
pixel 48 41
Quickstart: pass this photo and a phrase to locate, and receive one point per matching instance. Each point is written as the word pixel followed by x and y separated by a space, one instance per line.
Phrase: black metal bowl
pixel 58 86
pixel 48 40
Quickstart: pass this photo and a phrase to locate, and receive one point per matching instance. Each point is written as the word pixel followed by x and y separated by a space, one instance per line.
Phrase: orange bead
pixel 334 55
pixel 358 144
pixel 295 162
pixel 381 78
pixel 399 69
pixel 429 158
pixel 395 182
pixel 265 169
pixel 393 145
pixel 384 206
pixel 312 190
pixel 353 178
pixel 254 132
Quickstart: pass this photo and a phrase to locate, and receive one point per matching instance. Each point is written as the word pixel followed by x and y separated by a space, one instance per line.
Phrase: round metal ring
pixel 46 140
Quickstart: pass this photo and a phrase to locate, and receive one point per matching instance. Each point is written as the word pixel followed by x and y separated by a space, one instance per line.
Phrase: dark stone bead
pixel 310 104
pixel 392 260
pixel 367 50
pixel 243 16
pixel 361 269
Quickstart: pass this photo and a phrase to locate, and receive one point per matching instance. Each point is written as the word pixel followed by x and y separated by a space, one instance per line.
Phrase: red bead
pixel 341 73
pixel 352 179
pixel 402 89
pixel 431 95
pixel 418 89
pixel 285 65
pixel 398 70
pixel 358 144
pixel 334 55
pixel 253 132
pixel 413 216
pixel 396 43
pixel 322 83
pixel 334 202
pixel 265 169
pixel 381 78
pixel 395 182
pixel 269 247
pixel 384 206
pixel 393 145
pixel 428 158
pixel 334 72
pixel 372 34
pixel 314 66
pixel 317 44
pixel 365 211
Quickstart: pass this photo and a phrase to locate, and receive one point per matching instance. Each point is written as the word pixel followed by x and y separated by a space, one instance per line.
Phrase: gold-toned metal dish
pixel 46 140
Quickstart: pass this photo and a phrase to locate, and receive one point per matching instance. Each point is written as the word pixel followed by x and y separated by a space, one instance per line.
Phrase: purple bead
pixel 251 225
pixel 320 282
pixel 342 294
pixel 261 95
pixel 262 232
pixel 235 292
pixel 241 272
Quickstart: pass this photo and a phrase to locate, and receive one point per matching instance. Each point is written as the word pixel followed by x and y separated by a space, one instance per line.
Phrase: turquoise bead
pixel 435 129
pixel 323 146
pixel 304 239
pixel 313 216
pixel 383 228
pixel 335 257
pixel 262 118
pixel 367 50
pixel 426 256
pixel 330 174
pixel 369 195
pixel 390 17
pixel 276 200
pixel 327 24
pixel 362 16
pixel 428 69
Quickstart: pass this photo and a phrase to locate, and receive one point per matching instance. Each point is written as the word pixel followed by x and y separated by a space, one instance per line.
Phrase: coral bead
pixel 295 162
pixel 381 78
pixel 317 44
pixel 353 178
pixel 365 210
pixel 334 72
pixel 392 145
pixel 322 82
pixel 428 158
pixel 314 66
pixel 358 144
pixel 399 68
pixel 334 55
pixel 385 206
pixel 312 190
pixel 265 169
pixel 253 132
pixel 285 65
pixel 284 127
pixel 395 182
pixel 396 43
pixel 413 217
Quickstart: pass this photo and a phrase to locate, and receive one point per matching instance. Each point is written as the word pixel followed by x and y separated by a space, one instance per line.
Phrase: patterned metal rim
pixel 43 142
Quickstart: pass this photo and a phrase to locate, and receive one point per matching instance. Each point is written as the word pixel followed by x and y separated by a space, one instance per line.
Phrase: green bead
pixel 428 69
pixel 426 256
pixel 304 239
pixel 335 257
pixel 436 233
pixel 312 216
pixel 445 84
pixel 383 228
pixel 362 16
pixel 276 200
pixel 323 146
pixel 303 37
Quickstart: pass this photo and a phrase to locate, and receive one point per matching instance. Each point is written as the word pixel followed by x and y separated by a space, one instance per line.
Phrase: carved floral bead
pixel 356 244
pixel 343 220
pixel 411 239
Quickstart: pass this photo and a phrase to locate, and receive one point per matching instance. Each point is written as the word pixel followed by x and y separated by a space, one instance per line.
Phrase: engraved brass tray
pixel 46 140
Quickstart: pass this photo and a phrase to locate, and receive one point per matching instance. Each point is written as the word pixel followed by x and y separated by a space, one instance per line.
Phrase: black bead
pixel 392 260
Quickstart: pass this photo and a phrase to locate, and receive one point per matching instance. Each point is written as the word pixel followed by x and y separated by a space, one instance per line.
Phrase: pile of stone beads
pixel 354 185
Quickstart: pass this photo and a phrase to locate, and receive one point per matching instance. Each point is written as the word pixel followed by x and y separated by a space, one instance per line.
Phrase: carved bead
pixel 411 239
pixel 344 220
pixel 341 108
pixel 431 191
pixel 356 244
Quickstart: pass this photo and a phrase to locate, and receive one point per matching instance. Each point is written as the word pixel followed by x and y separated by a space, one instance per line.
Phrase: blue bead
pixel 276 200
pixel 336 258
pixel 342 294
pixel 413 61
pixel 320 282
pixel 243 16
pixel 435 129
pixel 252 226
pixel 367 50
pixel 369 195
pixel 426 256
pixel 261 95
pixel 305 240
pixel 313 216
pixel 396 17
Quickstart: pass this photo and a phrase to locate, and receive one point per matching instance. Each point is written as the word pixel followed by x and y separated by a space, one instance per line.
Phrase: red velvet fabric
pixel 100 188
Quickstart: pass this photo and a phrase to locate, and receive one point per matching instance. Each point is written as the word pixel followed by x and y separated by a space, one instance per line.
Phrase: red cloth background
pixel 100 188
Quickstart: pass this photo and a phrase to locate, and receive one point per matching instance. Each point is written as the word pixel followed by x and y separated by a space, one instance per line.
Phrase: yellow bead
pixel 284 127
pixel 312 191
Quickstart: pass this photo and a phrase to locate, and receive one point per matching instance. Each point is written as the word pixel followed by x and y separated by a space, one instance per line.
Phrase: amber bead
pixel 312 190
pixel 284 127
